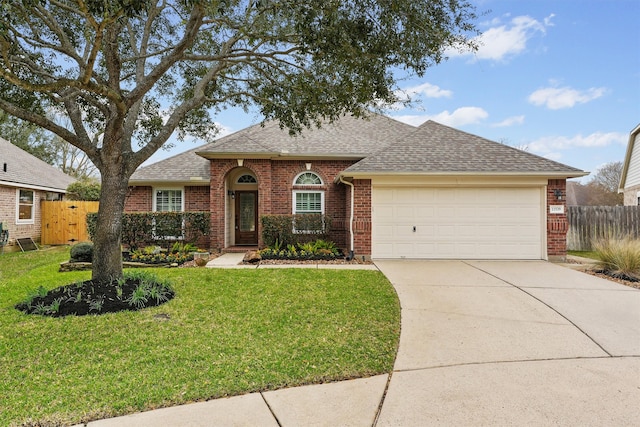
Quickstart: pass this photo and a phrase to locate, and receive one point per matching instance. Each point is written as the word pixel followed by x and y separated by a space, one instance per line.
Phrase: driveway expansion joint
pixel 501 362
pixel 523 289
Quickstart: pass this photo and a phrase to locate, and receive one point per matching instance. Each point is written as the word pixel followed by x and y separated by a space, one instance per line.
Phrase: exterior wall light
pixel 558 193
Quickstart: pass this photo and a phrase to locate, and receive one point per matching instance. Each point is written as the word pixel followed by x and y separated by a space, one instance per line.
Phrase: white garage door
pixel 457 223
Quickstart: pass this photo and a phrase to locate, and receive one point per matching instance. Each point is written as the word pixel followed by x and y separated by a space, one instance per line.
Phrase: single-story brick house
pixel 25 180
pixel 392 190
pixel 630 179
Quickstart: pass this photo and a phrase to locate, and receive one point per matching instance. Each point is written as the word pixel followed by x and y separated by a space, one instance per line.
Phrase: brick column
pixel 557 223
pixel 362 218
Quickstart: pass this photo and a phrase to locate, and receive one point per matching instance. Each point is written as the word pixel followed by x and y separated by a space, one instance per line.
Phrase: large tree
pixel 129 73
pixel 603 186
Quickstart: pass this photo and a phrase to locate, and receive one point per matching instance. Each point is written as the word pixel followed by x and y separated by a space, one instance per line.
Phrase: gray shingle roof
pixel 348 137
pixel 434 148
pixel 183 167
pixel 24 169
pixel 386 146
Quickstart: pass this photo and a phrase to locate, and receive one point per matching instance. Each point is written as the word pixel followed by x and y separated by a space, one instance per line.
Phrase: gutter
pixel 351 255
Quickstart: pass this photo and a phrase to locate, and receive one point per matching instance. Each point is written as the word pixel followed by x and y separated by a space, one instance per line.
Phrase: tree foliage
pixel 603 186
pixel 46 146
pixel 127 74
pixel 85 189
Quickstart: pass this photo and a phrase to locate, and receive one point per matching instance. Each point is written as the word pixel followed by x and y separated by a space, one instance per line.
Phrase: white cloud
pixel 500 42
pixel 415 94
pixel 556 98
pixel 428 91
pixel 552 144
pixel 509 121
pixel 460 117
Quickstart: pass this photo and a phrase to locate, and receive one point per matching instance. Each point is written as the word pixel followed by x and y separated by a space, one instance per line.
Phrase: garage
pixel 458 222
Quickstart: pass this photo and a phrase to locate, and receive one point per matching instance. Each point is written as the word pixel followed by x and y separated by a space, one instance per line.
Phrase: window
pixel 25 207
pixel 308 202
pixel 168 201
pixel 247 179
pixel 308 178
pixel 168 227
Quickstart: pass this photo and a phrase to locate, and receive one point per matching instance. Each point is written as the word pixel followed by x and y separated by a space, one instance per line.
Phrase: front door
pixel 246 217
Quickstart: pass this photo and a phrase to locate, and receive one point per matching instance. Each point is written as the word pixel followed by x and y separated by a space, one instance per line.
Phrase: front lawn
pixel 226 332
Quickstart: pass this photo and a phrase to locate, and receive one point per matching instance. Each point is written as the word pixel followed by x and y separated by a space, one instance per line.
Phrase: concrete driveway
pixel 512 343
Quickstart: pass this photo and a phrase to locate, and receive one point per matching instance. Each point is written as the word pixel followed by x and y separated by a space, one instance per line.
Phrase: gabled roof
pixel 437 149
pixel 182 168
pixel 633 136
pixel 27 171
pixel 348 138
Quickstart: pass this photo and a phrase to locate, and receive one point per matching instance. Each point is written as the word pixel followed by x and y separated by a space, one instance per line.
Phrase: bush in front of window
pixel 294 229
pixel 158 228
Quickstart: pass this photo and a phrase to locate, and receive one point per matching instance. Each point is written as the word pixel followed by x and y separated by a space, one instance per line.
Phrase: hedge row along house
pixel 392 190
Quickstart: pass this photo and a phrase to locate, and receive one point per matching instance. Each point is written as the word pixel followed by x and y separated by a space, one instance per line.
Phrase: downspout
pixel 351 255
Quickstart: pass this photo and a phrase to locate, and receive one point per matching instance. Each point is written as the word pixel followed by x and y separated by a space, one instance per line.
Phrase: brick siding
pixel 557 224
pixel 275 192
pixel 139 199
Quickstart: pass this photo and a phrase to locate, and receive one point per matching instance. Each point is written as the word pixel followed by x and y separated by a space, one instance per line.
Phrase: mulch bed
pixel 623 281
pixel 90 295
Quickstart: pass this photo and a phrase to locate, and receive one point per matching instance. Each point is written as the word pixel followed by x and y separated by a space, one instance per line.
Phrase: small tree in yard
pixel 126 74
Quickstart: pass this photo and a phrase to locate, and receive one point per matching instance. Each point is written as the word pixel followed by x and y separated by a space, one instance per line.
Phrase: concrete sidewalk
pixel 234 260
pixel 482 343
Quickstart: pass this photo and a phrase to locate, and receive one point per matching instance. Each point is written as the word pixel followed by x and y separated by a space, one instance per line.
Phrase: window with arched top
pixel 246 179
pixel 308 178
pixel 305 200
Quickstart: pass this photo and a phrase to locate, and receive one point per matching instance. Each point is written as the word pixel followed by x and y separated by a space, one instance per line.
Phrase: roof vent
pixel 4 167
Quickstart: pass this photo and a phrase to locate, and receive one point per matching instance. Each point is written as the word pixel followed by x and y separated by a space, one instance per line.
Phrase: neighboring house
pixel 25 180
pixel 391 189
pixel 630 179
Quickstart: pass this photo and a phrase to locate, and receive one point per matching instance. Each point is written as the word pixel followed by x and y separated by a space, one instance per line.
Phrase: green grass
pixel 584 254
pixel 229 332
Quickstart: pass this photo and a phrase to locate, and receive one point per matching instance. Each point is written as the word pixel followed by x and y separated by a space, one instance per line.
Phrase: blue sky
pixel 558 78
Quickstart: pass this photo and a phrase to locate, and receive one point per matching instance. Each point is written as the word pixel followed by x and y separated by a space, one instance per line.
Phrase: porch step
pixel 238 249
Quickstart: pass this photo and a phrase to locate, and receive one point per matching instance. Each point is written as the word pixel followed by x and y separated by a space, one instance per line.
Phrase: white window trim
pixel 309 185
pixel 293 208
pixel 293 201
pixel 33 208
pixel 155 207
pixel 155 196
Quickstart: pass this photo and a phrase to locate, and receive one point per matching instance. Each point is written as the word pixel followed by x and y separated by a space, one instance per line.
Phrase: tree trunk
pixel 107 254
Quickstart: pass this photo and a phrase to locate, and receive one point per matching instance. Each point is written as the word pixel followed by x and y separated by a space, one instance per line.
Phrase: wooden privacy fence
pixel 587 224
pixel 65 222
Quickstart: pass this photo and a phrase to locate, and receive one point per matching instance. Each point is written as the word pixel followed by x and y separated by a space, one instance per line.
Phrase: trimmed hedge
pixel 160 228
pixel 294 229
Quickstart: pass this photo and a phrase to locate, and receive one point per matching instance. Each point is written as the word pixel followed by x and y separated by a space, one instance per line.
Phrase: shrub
pixel 161 228
pixel 88 190
pixel 619 258
pixel 82 252
pixel 318 250
pixel 294 229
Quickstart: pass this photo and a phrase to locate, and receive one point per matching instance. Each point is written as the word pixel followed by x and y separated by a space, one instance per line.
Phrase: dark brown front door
pixel 246 217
